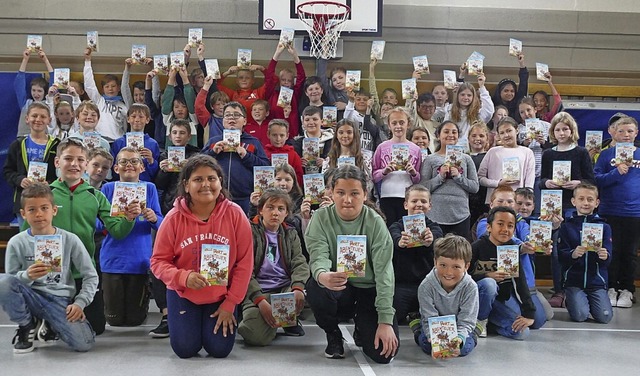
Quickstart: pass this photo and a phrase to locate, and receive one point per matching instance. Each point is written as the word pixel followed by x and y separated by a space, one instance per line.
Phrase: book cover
pixel 34 43
pixel 279 159
pixel 61 77
pixel 195 37
pixel 409 88
pixel 540 235
pixel 123 194
pixel 311 149
pixel 593 140
pixel 177 60
pixel 213 68
pixel 214 263
pixel 515 47
pixel 285 96
pixel 421 64
pixel 541 70
pixel 533 128
pixel 449 79
pixel 92 40
pixel 313 187
pixel 48 251
pixel 286 37
pixel 176 156
pixel 161 64
pixel 464 143
pixel 244 58
pixel 561 172
pixel 509 259
pixel 141 195
pixel 475 66
pixel 346 161
pixel 329 116
pixel 511 168
pixel 283 309
pixel 400 156
pixel 138 53
pixel 377 49
pixel 550 202
pixel 624 153
pixel 92 139
pixel 264 177
pixel 37 172
pixel 353 80
pixel 135 140
pixel 591 236
pixel 232 138
pixel 442 330
pixel 424 153
pixel 414 225
pixel 453 156
pixel 352 255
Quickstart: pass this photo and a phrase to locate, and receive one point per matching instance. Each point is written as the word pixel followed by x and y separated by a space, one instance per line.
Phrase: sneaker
pixel 557 300
pixel 481 328
pixel 613 297
pixel 162 331
pixel 416 325
pixel 45 334
pixel 356 337
pixel 335 347
pixel 294 331
pixel 23 340
pixel 625 299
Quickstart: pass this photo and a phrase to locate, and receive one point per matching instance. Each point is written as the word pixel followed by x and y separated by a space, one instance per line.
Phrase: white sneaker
pixel 613 297
pixel 625 299
pixel 481 325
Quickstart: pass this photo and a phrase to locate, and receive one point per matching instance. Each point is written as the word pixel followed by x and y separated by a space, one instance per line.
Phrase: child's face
pixel 465 97
pixel 138 120
pixel 180 110
pixel 625 133
pixel 72 163
pixel 449 135
pixel 507 93
pixel 526 111
pixel 441 95
pixel 314 92
pixel 179 136
pixel 278 135
pixel 477 140
pixel 111 88
pixel 232 118
pixel 426 110
pixel 540 101
pixel 39 213
pixel 507 199
pixel 389 97
pixel 360 103
pixel 218 107
pixel 203 186
pixel 345 135
pixel 129 166
pixel 585 201
pixel 502 228
pixel 499 114
pixel 38 119
pixel 138 95
pixel 420 138
pixel 37 93
pixel 197 81
pixel 417 203
pixel 98 168
pixel 384 110
pixel 562 133
pixel 286 79
pixel 64 114
pixel 76 86
pixel 450 271
pixel 524 206
pixel 88 119
pixel 349 198
pixel 312 123
pixel 259 113
pixel 244 79
pixel 398 123
pixel 338 80
pixel 507 135
pixel 284 181
pixel 273 213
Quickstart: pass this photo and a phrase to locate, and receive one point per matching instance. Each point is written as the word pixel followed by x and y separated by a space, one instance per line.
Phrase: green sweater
pixel 321 239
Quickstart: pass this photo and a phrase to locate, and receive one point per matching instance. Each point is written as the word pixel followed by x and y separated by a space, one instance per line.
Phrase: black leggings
pixel 126 298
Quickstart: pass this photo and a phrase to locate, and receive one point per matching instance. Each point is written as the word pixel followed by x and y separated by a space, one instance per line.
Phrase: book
pixel 232 138
pixel 34 43
pixel 593 141
pixel 449 79
pixel 161 64
pixel 214 263
pixel 48 251
pixel 509 259
pixel 92 139
pixel 311 149
pixel 135 140
pixel 400 156
pixel 37 172
pixel 533 128
pixel 283 309
pixel 453 156
pixel 540 235
pixel 177 60
pixel 138 53
pixel 541 70
pixel 329 116
pixel 421 64
pixel 313 187
pixel 285 96
pixel 264 177
pixel 377 49
pixel 141 195
pixel 195 37
pixel 424 153
pixel 414 225
pixel 475 63
pixel 286 37
pixel 464 144
pixel 624 153
pixel 92 40
pixel 346 161
pixel 279 159
pixel 352 255
pixel 61 77
pixel 591 236
pixel 561 172
pixel 123 194
pixel 511 168
pixel 550 202
pixel 244 58
pixel 409 88
pixel 515 47
pixel 353 80
pixel 213 68
pixel 176 157
pixel 442 330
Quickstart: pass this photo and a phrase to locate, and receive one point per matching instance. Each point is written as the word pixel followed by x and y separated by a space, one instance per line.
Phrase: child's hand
pixel 622 168
pixel 151 74
pixel 603 254
pixel 305 209
pixel 464 69
pixel 427 237
pixel 527 249
pixel 42 55
pixel 412 171
pixel 183 74
pixel 340 105
pixel 404 240
pixel 133 210
pixel 304 162
pixel 72 91
pixel 26 54
pixel 373 63
pixel 219 147
pixel 128 62
pixel 255 197
pixel 163 164
pixel 521 323
pixel 334 281
pixel 265 311
pixel 540 138
pixel 507 182
pixel 200 51
pixel 551 184
pixel 319 162
pixel 25 182
pixel 578 252
pixel 287 111
pixel 146 154
pixel 149 215
pixel 481 79
pixel 299 297
pixel 35 271
pixel 279 50
pixel 187 52
pixel 370 102
pixel 87 53
pixel 196 281
pixel 389 168
pixel 498 276
pixel 444 171
pixel 521 60
pixel 571 184
pixel 241 151
pixel 232 69
pixel 326 201
pixel 417 75
pixel 548 77
pixel 208 81
pixel 351 95
pixel 255 67
pixel 225 319
pixel 74 313
pixel 53 90
pixel 148 61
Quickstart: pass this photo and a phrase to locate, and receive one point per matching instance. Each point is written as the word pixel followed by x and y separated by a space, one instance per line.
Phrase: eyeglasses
pixel 233 115
pixel 134 162
pixel 427 107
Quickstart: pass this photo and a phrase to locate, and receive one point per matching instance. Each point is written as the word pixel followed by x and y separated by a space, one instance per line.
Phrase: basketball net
pixel 324 22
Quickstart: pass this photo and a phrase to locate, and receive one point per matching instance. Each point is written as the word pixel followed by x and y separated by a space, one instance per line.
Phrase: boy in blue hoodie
pixel 586 275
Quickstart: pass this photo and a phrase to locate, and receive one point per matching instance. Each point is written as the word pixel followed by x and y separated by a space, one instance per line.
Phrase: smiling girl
pixel 468 108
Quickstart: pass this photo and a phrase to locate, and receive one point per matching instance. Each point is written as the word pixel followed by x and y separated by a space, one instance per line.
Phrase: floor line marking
pixel 591 330
pixel 365 367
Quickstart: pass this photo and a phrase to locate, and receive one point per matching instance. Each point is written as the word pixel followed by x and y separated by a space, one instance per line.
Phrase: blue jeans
pixel 22 303
pixel 500 314
pixel 540 317
pixel 582 302
pixel 469 344
pixel 192 326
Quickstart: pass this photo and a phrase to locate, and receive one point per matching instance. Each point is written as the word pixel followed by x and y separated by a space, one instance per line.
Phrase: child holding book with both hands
pixel 88 117
pixel 358 110
pixel 175 106
pixel 312 125
pixel 278 133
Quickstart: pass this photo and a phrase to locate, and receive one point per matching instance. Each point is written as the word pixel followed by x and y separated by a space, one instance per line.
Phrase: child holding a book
pixel 125 262
pixel 335 86
pixel 39 286
pixel 63 120
pixel 179 106
pixel 508 94
pixel 312 126
pixel 203 314
pixel 478 146
pixel 422 109
pixel 469 106
pixel 277 134
pixel 422 138
pixel 257 124
pixel 88 117
pixel 585 260
pixel 358 111
pixel 346 144
pixel 388 100
pixel 278 267
pixel 449 290
pixel 38 88
pixel 412 253
pixel 541 100
pixel 245 94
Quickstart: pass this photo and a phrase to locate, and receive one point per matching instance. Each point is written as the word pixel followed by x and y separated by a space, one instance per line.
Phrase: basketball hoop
pixel 324 21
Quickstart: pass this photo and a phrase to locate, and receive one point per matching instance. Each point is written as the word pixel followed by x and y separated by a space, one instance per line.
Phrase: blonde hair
pixel 566 118
pixel 473 111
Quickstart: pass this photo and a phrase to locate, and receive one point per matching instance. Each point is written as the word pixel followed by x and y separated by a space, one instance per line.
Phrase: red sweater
pixel 259 131
pixel 246 97
pixel 176 253
pixel 272 97
pixel 294 159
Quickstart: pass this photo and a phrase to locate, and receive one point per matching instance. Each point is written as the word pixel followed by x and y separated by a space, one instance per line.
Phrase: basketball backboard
pixel 365 18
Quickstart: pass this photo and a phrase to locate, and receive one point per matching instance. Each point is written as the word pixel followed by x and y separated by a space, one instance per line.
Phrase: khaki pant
pixel 253 328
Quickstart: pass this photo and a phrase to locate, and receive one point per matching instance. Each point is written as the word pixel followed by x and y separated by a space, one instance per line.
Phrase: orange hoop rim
pixel 326 16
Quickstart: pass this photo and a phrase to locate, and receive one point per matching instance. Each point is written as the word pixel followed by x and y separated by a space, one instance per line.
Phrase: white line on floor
pixel 357 352
pixel 591 330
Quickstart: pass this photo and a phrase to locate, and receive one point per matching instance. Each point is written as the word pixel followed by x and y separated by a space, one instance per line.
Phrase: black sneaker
pixel 23 340
pixel 46 334
pixel 335 347
pixel 294 331
pixel 356 337
pixel 162 331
